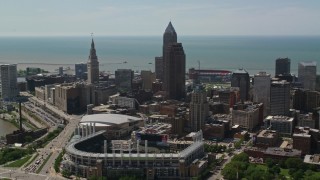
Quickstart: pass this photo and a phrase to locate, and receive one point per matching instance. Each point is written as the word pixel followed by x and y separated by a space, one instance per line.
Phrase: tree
pixel 66 173
pixel 275 169
pixel 298 174
pixel 269 162
pixel 293 163
pixel 242 157
pixel 28 139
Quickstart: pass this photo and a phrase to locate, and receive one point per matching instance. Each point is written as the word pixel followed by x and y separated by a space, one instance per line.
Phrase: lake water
pixel 6 127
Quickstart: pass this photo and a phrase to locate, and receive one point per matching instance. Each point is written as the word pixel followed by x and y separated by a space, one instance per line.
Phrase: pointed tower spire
pixel 93 65
pixel 170 28
pixel 92 44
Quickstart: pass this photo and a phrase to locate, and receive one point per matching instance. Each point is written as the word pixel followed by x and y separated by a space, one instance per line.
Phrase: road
pixel 54 147
pixel 217 175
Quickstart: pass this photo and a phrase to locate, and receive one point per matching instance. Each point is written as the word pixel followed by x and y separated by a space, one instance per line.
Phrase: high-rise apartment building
pixel 81 70
pixel 282 66
pixel 240 78
pixel 93 66
pixel 261 90
pixel 174 65
pixel 8 81
pixel 198 108
pixel 280 98
pixel 307 74
pixel 123 79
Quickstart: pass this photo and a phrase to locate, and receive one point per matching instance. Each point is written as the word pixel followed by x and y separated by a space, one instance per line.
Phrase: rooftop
pixel 240 71
pixel 308 63
pixel 108 119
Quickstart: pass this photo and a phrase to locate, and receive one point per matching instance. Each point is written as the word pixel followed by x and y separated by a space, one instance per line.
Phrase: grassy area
pixel 34 157
pixel 58 161
pixel 44 162
pixel 19 162
pixel 284 172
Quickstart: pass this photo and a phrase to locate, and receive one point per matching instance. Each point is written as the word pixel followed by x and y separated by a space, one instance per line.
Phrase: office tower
pixel 174 65
pixel 123 79
pixel 282 66
pixel 81 70
pixel 280 98
pixel 240 78
pixel 8 81
pixel 198 108
pixel 169 37
pixel 93 66
pixel 159 67
pixel 305 100
pixel 307 74
pixel 148 78
pixel 261 91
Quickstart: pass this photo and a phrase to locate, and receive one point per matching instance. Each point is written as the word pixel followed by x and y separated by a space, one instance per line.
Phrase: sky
pixel 148 17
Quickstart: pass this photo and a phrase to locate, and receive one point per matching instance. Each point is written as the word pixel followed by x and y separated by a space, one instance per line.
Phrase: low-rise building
pixel 282 124
pixel 246 115
pixel 267 138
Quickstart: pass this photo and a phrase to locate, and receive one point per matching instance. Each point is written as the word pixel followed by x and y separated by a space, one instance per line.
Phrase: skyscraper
pixel 81 70
pixel 283 66
pixel 174 65
pixel 93 66
pixel 280 98
pixel 240 78
pixel 159 67
pixel 198 108
pixel 123 79
pixel 307 74
pixel 261 90
pixel 8 81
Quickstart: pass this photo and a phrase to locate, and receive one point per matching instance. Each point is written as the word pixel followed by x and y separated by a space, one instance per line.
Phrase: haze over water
pixel 253 53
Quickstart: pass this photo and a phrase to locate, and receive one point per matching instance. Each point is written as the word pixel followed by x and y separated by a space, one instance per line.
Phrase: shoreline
pixel 51 67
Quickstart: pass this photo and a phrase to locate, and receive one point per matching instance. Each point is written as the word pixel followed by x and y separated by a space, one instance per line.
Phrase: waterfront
pixel 253 53
pixel 6 127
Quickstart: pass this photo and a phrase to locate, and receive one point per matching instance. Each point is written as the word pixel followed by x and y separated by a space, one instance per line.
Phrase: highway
pixel 54 147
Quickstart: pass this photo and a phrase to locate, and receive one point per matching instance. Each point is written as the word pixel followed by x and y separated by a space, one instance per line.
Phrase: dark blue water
pixel 226 52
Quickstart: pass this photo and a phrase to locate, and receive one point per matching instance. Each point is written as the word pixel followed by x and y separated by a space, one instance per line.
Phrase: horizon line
pixel 185 35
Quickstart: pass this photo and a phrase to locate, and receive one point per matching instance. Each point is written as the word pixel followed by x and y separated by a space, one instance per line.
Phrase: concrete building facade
pixel 159 67
pixel 198 108
pixel 73 98
pixel 240 78
pixel 280 98
pixel 8 81
pixel 261 91
pixel 307 74
pixel 282 124
pixel 81 70
pixel 93 66
pixel 123 79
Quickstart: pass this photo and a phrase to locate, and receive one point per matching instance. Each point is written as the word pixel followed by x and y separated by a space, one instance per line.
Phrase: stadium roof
pixel 108 119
